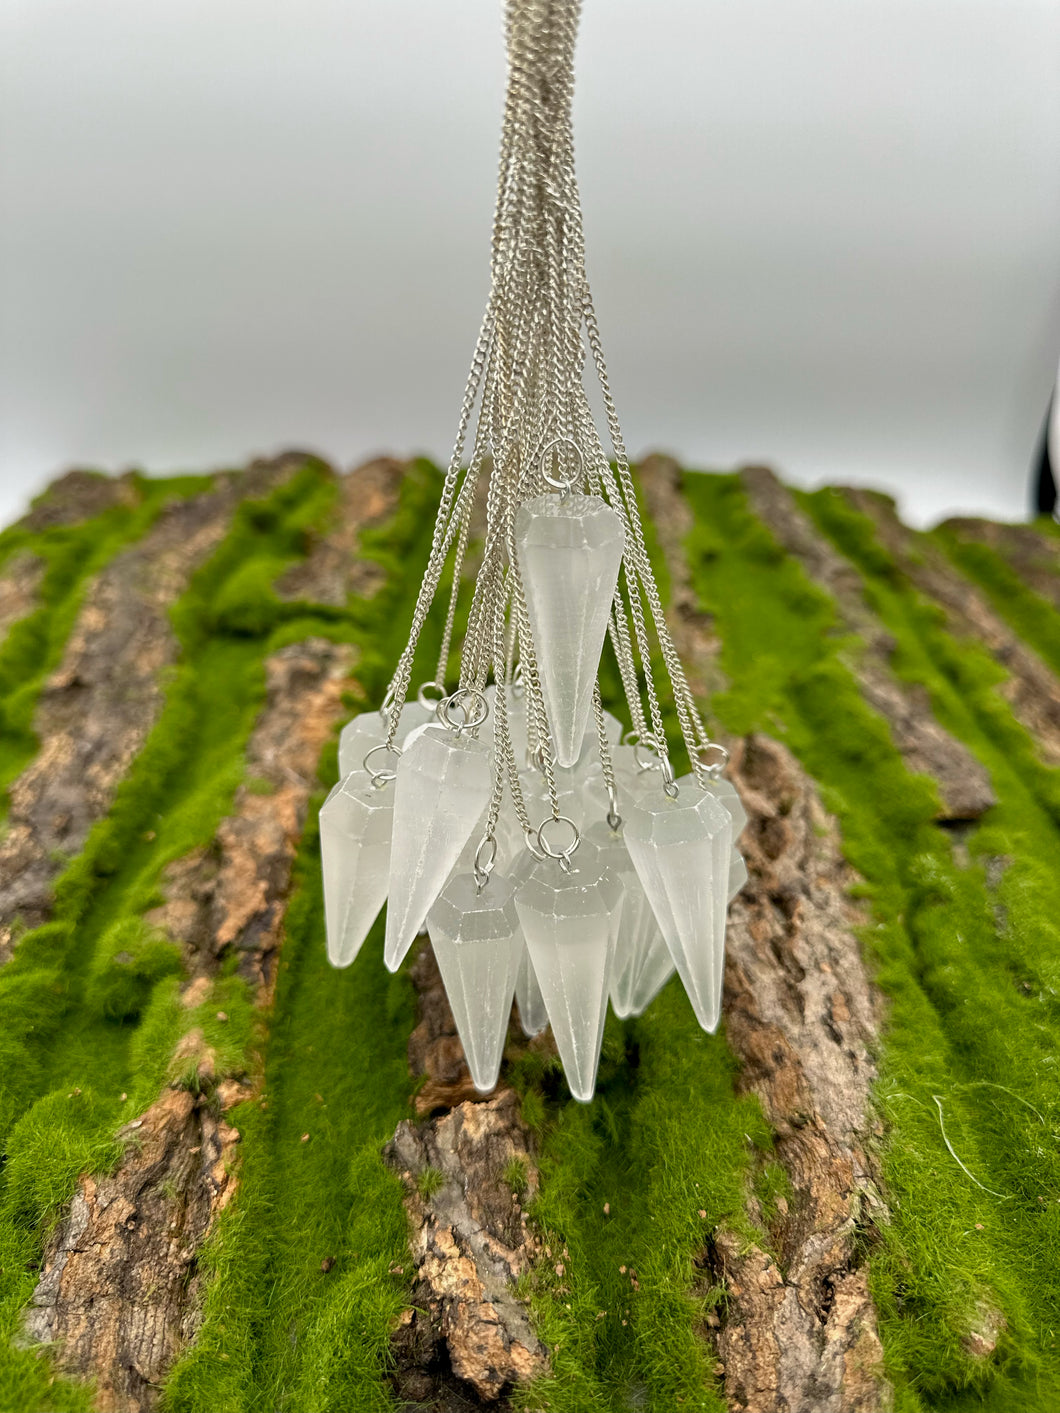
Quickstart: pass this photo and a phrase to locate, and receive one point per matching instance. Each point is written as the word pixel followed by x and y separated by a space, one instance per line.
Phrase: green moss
pixel 308 1267
pixel 89 1004
pixel 516 1176
pixel 72 555
pixel 632 1186
pixel 933 940
pixel 310 1264
pixel 429 1181
pixel 1031 617
pixel 279 1328
pixel 130 959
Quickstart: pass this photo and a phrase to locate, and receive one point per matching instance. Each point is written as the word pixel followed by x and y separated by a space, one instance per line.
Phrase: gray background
pixel 825 233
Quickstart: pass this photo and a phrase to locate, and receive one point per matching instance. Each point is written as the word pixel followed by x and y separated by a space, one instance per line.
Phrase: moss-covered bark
pixel 848 1200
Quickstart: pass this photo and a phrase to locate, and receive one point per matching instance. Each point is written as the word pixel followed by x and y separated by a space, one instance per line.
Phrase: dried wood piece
pixel 1032 691
pixel 925 746
pixel 802 1019
pixel 96 710
pixel 470 1242
pixel 116 1297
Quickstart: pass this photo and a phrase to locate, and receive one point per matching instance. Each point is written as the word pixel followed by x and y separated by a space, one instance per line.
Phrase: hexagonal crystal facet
pixel 355 832
pixel 442 788
pixel 569 550
pixel 681 849
pixel 477 943
pixel 567 923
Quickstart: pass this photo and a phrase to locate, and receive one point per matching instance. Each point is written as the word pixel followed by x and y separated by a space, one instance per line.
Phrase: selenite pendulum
pixel 550 857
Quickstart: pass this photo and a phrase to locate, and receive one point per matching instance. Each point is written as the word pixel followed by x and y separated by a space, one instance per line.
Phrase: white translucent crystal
pixel 642 964
pixel 507 837
pixel 725 793
pixel 539 804
pixel 370 729
pixel 569 550
pixel 532 1014
pixel 441 791
pixel 681 850
pixel 589 755
pixel 477 943
pixel 566 920
pixel 355 830
pixel 533 1017
pixel 629 776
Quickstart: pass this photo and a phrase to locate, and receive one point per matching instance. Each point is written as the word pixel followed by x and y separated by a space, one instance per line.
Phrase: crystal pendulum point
pixel 681 849
pixel 566 920
pixel 532 1014
pixel 442 788
pixel 533 1018
pixel 476 941
pixel 370 729
pixel 355 830
pixel 643 964
pixel 725 793
pixel 569 551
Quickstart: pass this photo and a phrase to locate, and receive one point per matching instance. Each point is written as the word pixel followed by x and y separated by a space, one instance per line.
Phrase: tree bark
pixel 121 1285
pixel 120 1289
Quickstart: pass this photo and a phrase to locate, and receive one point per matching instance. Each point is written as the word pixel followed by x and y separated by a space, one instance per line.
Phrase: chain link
pixel 535 430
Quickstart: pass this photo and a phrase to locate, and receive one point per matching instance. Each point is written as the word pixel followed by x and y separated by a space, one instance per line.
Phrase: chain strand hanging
pixel 546 857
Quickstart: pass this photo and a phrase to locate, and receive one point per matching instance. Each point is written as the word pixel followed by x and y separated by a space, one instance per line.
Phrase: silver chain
pixel 535 429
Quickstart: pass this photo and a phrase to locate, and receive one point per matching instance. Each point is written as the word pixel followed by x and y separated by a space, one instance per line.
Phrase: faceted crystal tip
pixel 681 849
pixel 642 964
pixel 477 944
pixel 355 829
pixel 442 788
pixel 569 551
pixel 566 920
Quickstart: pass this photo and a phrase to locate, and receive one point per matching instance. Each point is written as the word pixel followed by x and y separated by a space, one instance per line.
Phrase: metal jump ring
pixel 566 485
pixel 533 844
pixel 670 785
pixel 561 854
pixel 720 761
pixel 474 713
pixel 429 702
pixel 379 778
pixel 482 868
pixel 614 819
pixel 646 743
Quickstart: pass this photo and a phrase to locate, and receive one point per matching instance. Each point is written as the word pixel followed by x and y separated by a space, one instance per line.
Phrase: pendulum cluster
pixel 550 856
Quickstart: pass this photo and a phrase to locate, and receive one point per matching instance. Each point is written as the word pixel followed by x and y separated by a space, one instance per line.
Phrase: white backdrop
pixel 824 233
